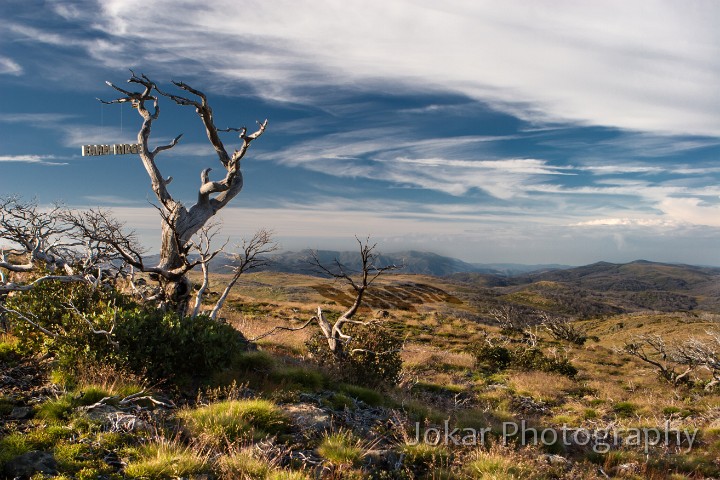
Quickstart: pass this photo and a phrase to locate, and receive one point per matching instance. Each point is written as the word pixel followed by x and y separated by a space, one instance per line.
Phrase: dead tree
pixel 179 223
pixel 253 254
pixel 562 328
pixel 202 248
pixel 369 272
pixel 39 245
pixel 653 350
pixel 704 354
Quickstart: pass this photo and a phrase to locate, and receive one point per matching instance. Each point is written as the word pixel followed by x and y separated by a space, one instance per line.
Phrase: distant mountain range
pixel 587 291
pixel 412 261
pixel 608 288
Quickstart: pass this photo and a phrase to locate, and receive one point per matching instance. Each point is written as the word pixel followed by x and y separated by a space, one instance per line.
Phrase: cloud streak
pixel 649 65
pixel 8 66
pixel 38 159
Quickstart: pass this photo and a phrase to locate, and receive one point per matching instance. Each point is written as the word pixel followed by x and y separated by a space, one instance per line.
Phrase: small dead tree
pixel 510 318
pixel 202 248
pixel 369 272
pixel 253 254
pixel 653 350
pixel 513 320
pixel 179 223
pixel 562 328
pixel 704 354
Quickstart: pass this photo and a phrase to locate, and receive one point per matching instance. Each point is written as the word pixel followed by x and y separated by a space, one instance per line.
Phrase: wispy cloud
pixel 39 159
pixel 642 66
pixel 8 66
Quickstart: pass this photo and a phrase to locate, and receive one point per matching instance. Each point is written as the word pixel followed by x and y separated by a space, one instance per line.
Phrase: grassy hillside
pixel 274 412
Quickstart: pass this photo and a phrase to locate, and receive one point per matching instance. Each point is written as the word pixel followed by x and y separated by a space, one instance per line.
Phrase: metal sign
pixel 117 149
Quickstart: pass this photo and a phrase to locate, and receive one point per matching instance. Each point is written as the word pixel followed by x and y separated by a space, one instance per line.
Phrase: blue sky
pixel 515 131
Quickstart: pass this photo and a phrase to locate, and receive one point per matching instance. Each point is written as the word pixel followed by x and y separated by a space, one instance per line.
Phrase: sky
pixel 517 131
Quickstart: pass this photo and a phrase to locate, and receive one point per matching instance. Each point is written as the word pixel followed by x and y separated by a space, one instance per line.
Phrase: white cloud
pixel 691 210
pixel 479 238
pixel 39 159
pixel 647 65
pixel 627 222
pixel 8 66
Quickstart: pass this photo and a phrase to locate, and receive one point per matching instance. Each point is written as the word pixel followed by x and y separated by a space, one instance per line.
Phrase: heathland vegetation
pixel 506 381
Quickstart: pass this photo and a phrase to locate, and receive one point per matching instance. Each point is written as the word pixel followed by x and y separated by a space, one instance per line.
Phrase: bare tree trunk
pixel 179 223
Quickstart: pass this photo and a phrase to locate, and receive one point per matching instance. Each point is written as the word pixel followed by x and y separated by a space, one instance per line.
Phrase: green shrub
pixel 625 409
pixel 534 359
pixel 166 345
pixel 367 395
pixel 145 340
pixel 375 361
pixel 494 358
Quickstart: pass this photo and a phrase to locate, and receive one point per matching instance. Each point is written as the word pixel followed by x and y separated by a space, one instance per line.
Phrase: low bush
pixel 494 358
pixel 371 357
pixel 160 345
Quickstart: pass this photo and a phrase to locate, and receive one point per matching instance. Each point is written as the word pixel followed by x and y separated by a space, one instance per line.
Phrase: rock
pixel 556 460
pixel 30 463
pixel 384 459
pixel 529 405
pixel 125 422
pixel 627 468
pixel 308 418
pixel 99 413
pixel 21 413
pixel 114 419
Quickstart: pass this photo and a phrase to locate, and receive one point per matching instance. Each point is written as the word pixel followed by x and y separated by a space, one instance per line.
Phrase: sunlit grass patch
pixel 162 459
pixel 341 449
pixel 543 386
pixel 497 465
pixel 422 456
pixel 243 464
pixel 235 419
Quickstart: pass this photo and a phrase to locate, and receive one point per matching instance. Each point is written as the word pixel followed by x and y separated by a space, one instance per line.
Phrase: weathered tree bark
pixel 180 223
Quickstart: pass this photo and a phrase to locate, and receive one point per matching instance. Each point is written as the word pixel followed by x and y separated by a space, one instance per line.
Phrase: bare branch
pixel 107 333
pixel 23 317
pixel 167 147
pixel 280 328
pixel 253 255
